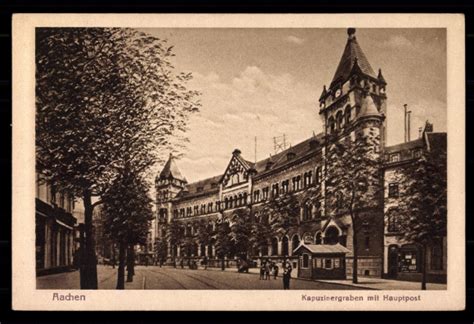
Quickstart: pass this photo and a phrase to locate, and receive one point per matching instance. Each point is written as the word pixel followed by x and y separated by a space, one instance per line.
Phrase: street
pixel 153 277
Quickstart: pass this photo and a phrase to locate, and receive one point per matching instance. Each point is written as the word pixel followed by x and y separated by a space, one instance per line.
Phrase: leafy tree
pixel 353 181
pixel 422 208
pixel 107 99
pixel 223 240
pixel 128 214
pixel 174 236
pixel 161 250
pixel 241 230
pixel 283 213
pixel 261 233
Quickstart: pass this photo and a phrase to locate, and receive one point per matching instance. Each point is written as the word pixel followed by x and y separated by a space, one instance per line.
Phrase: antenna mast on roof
pixel 255 149
pixel 279 143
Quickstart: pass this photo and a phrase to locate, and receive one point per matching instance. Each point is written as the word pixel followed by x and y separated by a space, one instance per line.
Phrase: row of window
pixel 321 263
pixel 297 183
pixel 51 195
pixel 396 157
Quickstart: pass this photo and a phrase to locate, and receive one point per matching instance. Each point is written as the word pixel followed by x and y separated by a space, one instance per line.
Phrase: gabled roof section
pixel 171 170
pixel 323 248
pixel 352 54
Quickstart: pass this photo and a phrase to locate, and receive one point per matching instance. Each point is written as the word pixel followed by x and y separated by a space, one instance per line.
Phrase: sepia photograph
pixel 256 158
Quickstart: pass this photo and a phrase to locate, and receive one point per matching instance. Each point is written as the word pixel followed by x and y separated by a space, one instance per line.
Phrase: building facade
pixel 55 234
pixel 353 104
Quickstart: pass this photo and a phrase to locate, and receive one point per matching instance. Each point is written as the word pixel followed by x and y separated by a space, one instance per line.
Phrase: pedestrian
pixel 275 270
pixel 286 275
pixel 181 263
pixel 204 261
pixel 262 270
pixel 267 270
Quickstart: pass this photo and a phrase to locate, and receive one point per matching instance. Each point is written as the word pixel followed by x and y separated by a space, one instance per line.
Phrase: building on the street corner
pixel 55 223
pixel 355 102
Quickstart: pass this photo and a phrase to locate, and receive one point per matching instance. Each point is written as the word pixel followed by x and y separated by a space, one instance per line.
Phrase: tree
pixel 174 236
pixel 223 240
pixel 422 208
pixel 128 214
pixel 260 233
pixel 107 99
pixel 241 230
pixel 283 212
pixel 353 181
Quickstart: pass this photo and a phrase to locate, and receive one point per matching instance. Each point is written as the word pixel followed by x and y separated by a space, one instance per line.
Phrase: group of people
pixel 270 269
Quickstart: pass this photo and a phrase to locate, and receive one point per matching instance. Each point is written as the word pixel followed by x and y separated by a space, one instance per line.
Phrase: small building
pixel 321 261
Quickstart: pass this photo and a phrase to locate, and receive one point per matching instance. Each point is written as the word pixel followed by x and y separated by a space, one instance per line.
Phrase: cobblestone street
pixel 154 277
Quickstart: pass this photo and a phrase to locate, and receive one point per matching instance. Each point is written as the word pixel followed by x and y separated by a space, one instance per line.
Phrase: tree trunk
pixel 424 266
pixel 130 263
pixel 223 264
pixel 89 263
pixel 354 260
pixel 121 266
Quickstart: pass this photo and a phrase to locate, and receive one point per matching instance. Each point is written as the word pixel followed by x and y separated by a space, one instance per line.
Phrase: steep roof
pixel 171 170
pixel 404 146
pixel 352 54
pixel 201 187
pixel 280 159
pixel 323 248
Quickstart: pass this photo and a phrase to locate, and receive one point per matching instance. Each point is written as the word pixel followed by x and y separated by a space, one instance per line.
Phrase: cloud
pixel 396 41
pixel 295 40
pixel 234 111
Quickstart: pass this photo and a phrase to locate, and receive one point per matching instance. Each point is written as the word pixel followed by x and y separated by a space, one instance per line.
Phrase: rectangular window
pixel 275 190
pixel 327 263
pixel 209 208
pixel 337 263
pixel 318 262
pixel 393 190
pixel 284 186
pixel 305 261
pixel 395 157
pixel 265 193
pixel 256 196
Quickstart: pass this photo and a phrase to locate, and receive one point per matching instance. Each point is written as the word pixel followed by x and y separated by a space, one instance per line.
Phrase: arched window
pixel 226 203
pixel 307 211
pixel 339 120
pixel 331 235
pixel 274 246
pixel 347 115
pixel 295 241
pixel 284 246
pixel 231 202
pixel 240 200
pixel 203 250
pixel 332 125
pixel 318 239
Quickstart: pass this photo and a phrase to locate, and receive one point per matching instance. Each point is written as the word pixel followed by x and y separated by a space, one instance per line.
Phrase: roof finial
pixel 351 32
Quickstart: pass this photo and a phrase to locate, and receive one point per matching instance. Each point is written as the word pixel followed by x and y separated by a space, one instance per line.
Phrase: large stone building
pixel 354 103
pixel 55 229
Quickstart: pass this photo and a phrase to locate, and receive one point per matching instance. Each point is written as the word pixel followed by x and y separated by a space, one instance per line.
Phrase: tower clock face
pixel 338 92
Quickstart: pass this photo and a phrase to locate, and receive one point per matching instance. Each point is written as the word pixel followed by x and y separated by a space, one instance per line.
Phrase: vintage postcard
pixel 238 162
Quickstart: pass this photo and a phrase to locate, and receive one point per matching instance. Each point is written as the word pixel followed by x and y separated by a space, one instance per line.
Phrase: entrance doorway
pixel 393 261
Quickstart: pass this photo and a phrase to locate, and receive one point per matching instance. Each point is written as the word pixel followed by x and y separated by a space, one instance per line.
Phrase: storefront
pixel 321 261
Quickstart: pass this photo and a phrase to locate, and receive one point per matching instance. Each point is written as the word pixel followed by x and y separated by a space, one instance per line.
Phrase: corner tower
pixel 168 184
pixel 354 89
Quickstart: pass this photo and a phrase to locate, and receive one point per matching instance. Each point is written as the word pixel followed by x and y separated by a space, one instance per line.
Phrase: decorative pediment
pixel 236 172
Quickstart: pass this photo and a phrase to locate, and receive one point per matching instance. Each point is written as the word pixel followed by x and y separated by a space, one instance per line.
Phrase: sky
pixel 258 82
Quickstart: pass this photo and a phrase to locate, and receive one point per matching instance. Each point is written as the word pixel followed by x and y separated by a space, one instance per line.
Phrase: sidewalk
pixel 386 284
pixel 364 282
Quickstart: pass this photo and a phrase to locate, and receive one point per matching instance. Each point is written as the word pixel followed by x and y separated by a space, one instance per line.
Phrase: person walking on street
pixel 286 275
pixel 262 269
pixel 181 263
pixel 275 270
pixel 267 270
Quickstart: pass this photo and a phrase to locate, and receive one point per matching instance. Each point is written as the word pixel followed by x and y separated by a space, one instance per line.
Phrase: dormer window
pixel 395 157
pixel 269 165
pixel 199 189
pixel 290 156
pixel 213 185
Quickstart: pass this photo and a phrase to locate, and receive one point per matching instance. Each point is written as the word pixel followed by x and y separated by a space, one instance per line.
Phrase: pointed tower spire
pixel 352 54
pixel 171 170
pixel 323 94
pixel 380 77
